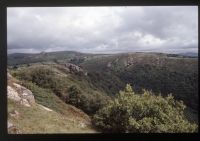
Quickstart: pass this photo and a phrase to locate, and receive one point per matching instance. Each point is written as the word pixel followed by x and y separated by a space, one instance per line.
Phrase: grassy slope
pixel 35 120
pixel 64 118
pixel 58 82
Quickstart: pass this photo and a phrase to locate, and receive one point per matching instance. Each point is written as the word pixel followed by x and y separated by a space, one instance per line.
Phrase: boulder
pixel 20 94
pixel 25 94
pixel 12 94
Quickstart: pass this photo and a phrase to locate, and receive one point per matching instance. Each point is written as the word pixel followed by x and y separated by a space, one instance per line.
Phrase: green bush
pixel 43 77
pixel 145 113
pixel 89 103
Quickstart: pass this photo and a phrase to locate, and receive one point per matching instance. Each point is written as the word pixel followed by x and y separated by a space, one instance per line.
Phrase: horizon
pixel 103 30
pixel 103 53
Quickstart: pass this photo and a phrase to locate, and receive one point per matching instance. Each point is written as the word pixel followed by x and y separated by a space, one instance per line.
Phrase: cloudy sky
pixel 103 29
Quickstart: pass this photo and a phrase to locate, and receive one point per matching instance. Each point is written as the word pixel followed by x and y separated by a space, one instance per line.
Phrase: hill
pixel 53 57
pixel 84 80
pixel 160 73
pixel 43 112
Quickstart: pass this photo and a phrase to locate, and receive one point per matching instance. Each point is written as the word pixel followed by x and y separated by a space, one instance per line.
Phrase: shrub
pixel 89 103
pixel 146 113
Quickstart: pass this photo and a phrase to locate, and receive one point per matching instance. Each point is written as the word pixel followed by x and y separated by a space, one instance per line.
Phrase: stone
pixel 12 94
pixel 20 94
pixel 73 68
pixel 25 94
pixel 25 102
pixel 10 124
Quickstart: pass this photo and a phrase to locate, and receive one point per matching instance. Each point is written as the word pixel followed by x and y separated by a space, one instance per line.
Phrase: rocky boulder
pixel 19 93
pixel 25 93
pixel 12 94
pixel 72 68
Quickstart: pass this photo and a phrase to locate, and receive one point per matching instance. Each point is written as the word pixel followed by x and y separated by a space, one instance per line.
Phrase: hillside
pixel 89 81
pixel 152 71
pixel 48 114
pixel 52 57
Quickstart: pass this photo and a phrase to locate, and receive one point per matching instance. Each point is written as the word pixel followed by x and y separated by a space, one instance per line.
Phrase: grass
pixel 34 120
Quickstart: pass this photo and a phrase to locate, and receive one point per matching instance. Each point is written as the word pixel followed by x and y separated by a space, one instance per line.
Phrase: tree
pixel 146 113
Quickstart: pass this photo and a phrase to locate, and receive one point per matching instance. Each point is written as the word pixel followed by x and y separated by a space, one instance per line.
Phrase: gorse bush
pixel 146 113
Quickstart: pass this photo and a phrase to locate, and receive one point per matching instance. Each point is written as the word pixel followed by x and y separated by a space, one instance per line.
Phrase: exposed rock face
pixel 20 94
pixel 25 93
pixel 12 94
pixel 74 69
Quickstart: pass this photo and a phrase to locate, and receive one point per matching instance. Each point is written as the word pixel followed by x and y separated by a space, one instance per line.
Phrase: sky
pixel 167 29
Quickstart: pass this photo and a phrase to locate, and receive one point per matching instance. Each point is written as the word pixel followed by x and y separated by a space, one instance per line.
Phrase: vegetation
pixel 89 103
pixel 72 89
pixel 35 119
pixel 46 97
pixel 157 72
pixel 94 91
pixel 145 113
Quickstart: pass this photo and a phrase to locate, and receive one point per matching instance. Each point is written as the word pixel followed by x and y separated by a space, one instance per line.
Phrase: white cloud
pixel 103 29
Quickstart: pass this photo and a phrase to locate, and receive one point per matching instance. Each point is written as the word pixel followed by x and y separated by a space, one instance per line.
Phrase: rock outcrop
pixel 12 94
pixel 19 93
pixel 25 94
pixel 72 68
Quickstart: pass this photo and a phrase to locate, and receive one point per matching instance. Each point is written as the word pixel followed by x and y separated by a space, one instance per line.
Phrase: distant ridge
pixel 189 54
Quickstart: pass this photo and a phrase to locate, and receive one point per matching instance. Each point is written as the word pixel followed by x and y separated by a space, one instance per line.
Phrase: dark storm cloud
pixel 103 29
